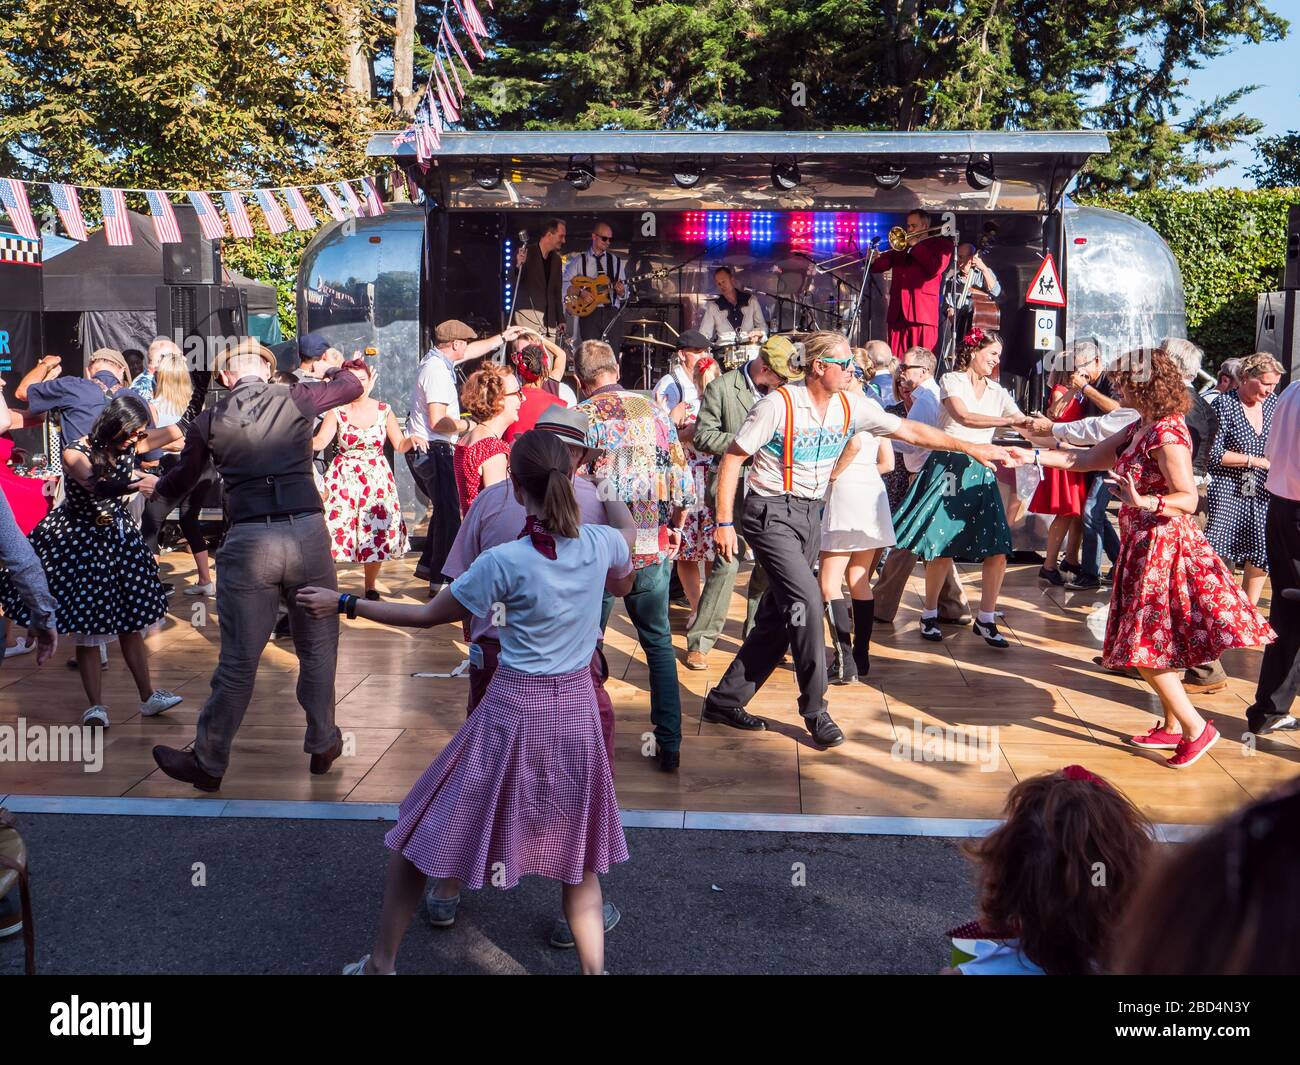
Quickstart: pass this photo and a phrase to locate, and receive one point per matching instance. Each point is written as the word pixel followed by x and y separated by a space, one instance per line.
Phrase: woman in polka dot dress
pixel 100 571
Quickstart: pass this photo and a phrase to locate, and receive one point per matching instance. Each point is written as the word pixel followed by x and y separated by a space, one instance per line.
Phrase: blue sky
pixel 1275 68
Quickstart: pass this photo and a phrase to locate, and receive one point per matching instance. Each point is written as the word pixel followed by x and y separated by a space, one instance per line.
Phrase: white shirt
pixel 1283 447
pixel 568 395
pixel 926 409
pixel 817 442
pixel 715 320
pixel 1088 431
pixel 435 382
pixel 675 387
pixel 590 264
pixel 996 403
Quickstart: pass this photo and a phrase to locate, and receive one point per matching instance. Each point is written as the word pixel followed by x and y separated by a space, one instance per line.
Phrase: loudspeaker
pixel 1291 268
pixel 195 260
pixel 200 311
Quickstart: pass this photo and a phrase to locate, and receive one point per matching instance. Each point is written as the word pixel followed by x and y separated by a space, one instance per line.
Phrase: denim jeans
pixel 647 608
pixel 1098 532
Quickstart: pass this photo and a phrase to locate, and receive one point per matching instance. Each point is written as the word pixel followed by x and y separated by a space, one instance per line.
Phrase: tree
pixel 1279 162
pixel 891 64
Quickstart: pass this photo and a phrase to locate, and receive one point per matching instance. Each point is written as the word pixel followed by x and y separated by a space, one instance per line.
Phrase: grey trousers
pixel 715 601
pixel 259 565
pixel 888 591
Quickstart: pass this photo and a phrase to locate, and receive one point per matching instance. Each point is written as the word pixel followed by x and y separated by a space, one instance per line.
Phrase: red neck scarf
pixel 536 531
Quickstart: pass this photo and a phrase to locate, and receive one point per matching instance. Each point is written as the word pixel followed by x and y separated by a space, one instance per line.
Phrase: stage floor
pixel 1050 707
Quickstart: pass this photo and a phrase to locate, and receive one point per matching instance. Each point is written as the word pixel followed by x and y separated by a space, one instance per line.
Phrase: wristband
pixel 724 524
pixel 1160 504
pixel 343 602
pixel 352 607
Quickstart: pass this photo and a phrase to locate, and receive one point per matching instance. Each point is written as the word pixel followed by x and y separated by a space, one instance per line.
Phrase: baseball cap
pixel 692 338
pixel 311 347
pixel 776 353
pixel 452 330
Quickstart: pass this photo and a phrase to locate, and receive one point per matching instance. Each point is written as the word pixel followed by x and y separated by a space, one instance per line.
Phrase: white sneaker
pixel 159 701
pixel 96 717
pixel 202 589
pixel 358 968
pixel 19 648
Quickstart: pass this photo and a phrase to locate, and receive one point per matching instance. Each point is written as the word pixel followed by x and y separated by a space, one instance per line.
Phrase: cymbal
pixel 645 321
pixel 647 340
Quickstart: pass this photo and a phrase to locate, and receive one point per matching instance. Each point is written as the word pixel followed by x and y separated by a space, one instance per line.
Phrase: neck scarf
pixel 542 540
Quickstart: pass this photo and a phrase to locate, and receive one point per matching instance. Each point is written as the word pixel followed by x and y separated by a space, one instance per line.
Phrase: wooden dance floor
pixel 1049 704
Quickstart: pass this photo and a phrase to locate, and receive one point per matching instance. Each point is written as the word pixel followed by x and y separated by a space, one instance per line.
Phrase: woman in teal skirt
pixel 954 509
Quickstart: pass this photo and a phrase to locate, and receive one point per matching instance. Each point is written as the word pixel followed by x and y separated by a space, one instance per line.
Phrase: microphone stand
pixel 868 259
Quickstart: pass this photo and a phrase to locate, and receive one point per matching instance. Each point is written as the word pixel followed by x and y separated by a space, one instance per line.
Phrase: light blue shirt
pixel 547 611
pixel 927 409
pixel 998 958
pixel 882 388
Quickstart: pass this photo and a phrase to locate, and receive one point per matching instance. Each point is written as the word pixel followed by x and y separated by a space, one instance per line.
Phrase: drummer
pixel 733 310
pixel 678 384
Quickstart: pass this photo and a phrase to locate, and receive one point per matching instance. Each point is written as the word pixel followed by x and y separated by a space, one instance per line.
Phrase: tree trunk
pixel 404 60
pixel 360 73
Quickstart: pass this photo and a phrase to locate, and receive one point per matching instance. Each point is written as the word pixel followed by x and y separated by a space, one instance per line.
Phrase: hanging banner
pixel 374 207
pixel 164 218
pixel 332 202
pixel 298 209
pixel 350 199
pixel 13 195
pixel 68 205
pixel 240 225
pixel 275 220
pixel 117 226
pixel 209 220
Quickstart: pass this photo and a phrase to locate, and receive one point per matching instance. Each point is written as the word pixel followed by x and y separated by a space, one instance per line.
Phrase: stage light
pixel 687 173
pixel 979 173
pixel 785 175
pixel 888 177
pixel 581 174
pixel 487 176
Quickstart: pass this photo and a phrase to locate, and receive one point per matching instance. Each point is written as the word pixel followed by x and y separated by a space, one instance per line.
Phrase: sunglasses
pixel 842 363
pixel 605 239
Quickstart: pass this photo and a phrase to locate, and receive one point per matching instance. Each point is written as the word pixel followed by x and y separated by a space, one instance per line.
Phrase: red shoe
pixel 1158 739
pixel 1190 751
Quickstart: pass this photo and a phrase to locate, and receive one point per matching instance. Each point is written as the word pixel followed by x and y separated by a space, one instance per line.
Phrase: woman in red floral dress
pixel 362 512
pixel 1174 603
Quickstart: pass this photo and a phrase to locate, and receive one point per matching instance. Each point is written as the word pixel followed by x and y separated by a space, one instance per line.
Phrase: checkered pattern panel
pixel 15 249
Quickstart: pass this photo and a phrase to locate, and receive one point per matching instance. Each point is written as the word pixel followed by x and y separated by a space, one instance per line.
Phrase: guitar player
pixel 598 262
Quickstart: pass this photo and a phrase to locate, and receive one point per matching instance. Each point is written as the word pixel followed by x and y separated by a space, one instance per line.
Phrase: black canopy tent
pixel 21 339
pixel 98 295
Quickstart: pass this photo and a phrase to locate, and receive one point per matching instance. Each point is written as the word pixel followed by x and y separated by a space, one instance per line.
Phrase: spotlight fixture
pixel 979 173
pixel 888 177
pixel 785 175
pixel 581 174
pixel 487 176
pixel 687 173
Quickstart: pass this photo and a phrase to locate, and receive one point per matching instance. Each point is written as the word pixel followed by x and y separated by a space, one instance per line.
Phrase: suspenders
pixel 787 441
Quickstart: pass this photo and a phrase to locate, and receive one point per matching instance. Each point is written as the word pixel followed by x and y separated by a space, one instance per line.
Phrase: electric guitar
pixel 585 294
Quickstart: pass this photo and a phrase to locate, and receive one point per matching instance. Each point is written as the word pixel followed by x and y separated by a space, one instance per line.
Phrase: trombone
pixel 899 239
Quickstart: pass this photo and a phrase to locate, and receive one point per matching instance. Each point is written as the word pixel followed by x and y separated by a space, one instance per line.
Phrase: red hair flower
pixel 974 338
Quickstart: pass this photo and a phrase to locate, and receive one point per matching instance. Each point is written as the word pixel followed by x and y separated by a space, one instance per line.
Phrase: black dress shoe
pixel 669 760
pixel 930 630
pixel 990 633
pixel 182 765
pixel 320 763
pixel 1051 576
pixel 823 730
pixel 736 717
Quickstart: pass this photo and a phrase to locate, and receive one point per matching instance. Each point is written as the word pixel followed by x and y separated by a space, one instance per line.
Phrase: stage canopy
pixel 586 170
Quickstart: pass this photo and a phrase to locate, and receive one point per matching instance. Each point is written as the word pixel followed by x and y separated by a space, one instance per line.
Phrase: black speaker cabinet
pixel 1291 269
pixel 195 260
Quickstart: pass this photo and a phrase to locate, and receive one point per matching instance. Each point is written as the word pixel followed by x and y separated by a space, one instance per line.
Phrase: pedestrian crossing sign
pixel 1045 288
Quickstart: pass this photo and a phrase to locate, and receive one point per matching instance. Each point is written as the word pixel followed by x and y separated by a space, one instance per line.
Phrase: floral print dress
pixel 1174 604
pixel 361 507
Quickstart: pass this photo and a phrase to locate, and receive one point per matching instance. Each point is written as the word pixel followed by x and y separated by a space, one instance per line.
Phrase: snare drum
pixel 729 351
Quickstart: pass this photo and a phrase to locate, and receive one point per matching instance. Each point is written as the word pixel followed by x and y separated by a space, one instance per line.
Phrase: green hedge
pixel 1229 244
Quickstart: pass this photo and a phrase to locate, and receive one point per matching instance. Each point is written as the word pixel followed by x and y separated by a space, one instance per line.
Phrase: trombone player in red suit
pixel 914 289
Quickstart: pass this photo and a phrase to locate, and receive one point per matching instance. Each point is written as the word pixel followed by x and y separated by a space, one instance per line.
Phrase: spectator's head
pixel 311 348
pixel 1153 384
pixel 366 374
pixel 160 347
pixel 916 367
pixel 1260 375
pixel 1079 356
pixel 172 382
pixel 692 346
pixel 980 350
pixel 119 427
pixel 829 360
pixel 245 358
pixel 283 377
pixel 542 476
pixel 452 338
pixel 880 358
pixel 531 363
pixel 704 371
pixel 1229 375
pixel 1223 903
pixel 776 355
pixel 1186 355
pixel 1058 872
pixel 573 427
pixel 134 362
pixel 107 360
pixel 595 365
pixel 489 392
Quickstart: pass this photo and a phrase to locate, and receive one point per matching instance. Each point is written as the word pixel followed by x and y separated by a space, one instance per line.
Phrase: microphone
pixel 522 237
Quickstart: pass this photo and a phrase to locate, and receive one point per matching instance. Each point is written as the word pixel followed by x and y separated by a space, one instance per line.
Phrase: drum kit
pixel 654 363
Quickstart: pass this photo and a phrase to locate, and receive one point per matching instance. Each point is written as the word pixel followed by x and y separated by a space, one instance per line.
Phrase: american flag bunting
pixel 68 204
pixel 240 225
pixel 469 29
pixel 298 209
pixel 164 218
pixel 275 220
pixel 332 203
pixel 117 226
pixel 350 199
pixel 446 29
pixel 13 194
pixel 209 220
pixel 374 205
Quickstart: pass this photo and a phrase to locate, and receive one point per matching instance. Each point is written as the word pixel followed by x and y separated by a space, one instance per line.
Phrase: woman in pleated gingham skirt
pixel 525 787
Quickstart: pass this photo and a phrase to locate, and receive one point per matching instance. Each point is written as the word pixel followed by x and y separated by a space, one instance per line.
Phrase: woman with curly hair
pixel 362 512
pixel 1055 879
pixel 954 509
pixel 491 397
pixel 1174 604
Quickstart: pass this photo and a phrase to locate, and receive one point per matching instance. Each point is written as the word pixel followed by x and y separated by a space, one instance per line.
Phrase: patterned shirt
pixel 143 386
pixel 643 462
pixel 817 441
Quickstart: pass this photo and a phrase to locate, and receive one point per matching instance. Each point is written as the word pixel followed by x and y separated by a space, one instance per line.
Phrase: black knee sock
pixel 864 620
pixel 839 610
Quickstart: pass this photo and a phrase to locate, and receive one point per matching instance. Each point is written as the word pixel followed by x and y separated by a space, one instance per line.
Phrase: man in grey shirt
pixel 28 579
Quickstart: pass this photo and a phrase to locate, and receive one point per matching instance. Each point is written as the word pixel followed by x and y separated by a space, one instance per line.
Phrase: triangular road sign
pixel 1045 288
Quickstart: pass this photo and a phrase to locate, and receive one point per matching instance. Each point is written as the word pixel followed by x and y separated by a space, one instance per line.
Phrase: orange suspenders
pixel 787 441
